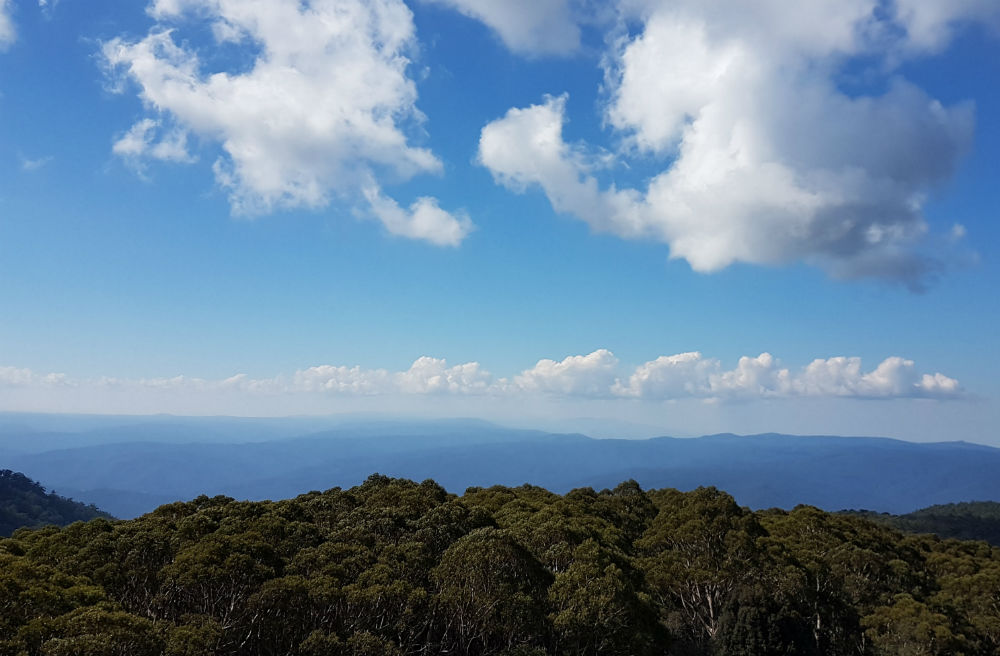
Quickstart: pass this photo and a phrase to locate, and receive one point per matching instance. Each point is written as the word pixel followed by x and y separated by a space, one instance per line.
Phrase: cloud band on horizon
pixel 597 375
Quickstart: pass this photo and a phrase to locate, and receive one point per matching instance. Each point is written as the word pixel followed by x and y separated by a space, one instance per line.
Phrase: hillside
pixel 977 520
pixel 23 502
pixel 393 567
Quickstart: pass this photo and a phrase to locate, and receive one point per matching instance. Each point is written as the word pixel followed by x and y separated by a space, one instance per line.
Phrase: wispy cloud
pixel 30 164
pixel 21 377
pixel 7 32
pixel 146 140
pixel 530 27
pixel 48 7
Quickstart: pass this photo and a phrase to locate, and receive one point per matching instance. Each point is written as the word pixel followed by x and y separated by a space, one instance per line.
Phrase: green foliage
pixel 194 635
pixel 398 568
pixel 598 607
pixel 25 503
pixel 975 520
pixel 493 591
pixel 908 627
pixel 101 630
pixel 699 549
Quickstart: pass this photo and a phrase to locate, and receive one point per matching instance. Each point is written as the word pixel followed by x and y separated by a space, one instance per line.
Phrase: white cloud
pixel 931 25
pixel 20 377
pixel 526 147
pixel 894 377
pixel 144 141
pixel 172 383
pixel 433 375
pixel 765 160
pixel 7 32
pixel 576 375
pixel 424 219
pixel 321 113
pixel 933 385
pixel 48 7
pixel 689 375
pixel 341 379
pixel 533 27
pixel 670 377
pixel 31 164
pixel 595 376
pixel 754 377
pixel 426 375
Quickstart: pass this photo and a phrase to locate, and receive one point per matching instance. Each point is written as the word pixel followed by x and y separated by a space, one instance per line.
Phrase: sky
pixel 673 217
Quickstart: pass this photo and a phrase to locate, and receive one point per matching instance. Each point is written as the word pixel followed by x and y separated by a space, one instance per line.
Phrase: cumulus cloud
pixel 687 375
pixel 426 375
pixel 424 219
pixel 526 148
pixel 576 375
pixel 893 377
pixel 532 27
pixel 430 375
pixel 7 33
pixel 321 112
pixel 765 159
pixel 597 375
pixel 691 375
pixel 341 379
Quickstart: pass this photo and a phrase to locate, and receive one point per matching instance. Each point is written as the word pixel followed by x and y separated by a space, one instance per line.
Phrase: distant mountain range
pixel 128 466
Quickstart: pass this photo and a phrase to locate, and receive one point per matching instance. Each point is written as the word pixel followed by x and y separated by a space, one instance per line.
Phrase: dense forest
pixel 396 567
pixel 23 502
pixel 974 520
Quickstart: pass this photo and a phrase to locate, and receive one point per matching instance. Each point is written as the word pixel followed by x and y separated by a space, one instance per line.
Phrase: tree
pixel 700 547
pixel 492 594
pixel 909 628
pixel 101 630
pixel 597 610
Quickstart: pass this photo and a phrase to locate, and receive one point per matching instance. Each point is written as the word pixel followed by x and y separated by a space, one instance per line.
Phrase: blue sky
pixel 529 211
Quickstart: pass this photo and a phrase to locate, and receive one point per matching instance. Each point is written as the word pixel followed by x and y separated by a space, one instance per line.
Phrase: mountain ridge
pixel 129 478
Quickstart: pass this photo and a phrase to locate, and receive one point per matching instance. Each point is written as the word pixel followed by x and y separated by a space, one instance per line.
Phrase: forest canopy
pixel 970 520
pixel 398 567
pixel 23 502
